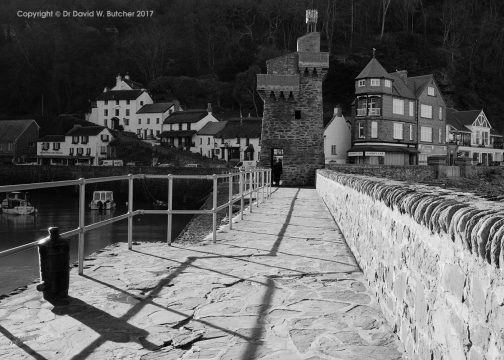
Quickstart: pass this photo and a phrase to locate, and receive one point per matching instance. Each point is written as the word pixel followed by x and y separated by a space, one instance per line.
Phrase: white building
pixel 337 138
pixel 149 119
pixel 470 135
pixel 180 128
pixel 80 146
pixel 239 140
pixel 206 143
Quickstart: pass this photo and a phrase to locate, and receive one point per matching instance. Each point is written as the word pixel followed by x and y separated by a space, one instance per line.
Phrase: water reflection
pixel 57 207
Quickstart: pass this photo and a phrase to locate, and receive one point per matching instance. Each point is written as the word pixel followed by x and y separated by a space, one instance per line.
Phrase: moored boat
pixel 102 200
pixel 17 203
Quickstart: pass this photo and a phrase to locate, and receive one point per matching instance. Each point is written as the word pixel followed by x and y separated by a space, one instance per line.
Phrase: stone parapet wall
pixel 434 258
pixel 396 172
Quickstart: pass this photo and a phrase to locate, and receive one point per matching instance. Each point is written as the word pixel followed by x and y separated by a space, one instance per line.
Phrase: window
pixel 361 83
pixel 333 150
pixel 247 141
pixel 105 123
pixel 398 106
pixel 55 146
pixel 374 106
pixel 103 149
pixel 141 103
pixel 374 129
pixel 106 102
pixel 127 112
pixel 126 122
pixel 411 108
pixel 375 82
pixel 80 151
pixel 426 134
pixel 75 139
pixel 127 102
pixel 297 114
pixel 430 91
pixel 388 83
pixel 440 134
pixel 105 138
pixel 88 151
pixel 208 141
pixel 222 140
pixel 411 132
pixel 238 141
pixel 440 113
pixel 426 111
pixel 71 151
pixel 148 121
pixel 217 151
pixel 478 137
pixel 116 112
pixel 398 130
pixel 361 131
pixel 139 121
pixel 171 127
pixel 105 112
pixel 139 132
pixel 151 132
pixel 158 132
pixel 45 146
pixel 117 102
pixel 157 120
pixel 180 126
pixel 84 139
pixel 485 138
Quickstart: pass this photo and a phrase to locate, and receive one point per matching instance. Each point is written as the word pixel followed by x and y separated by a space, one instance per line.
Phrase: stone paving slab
pixel 281 285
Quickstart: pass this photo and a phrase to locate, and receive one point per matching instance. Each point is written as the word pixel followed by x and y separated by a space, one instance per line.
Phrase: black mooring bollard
pixel 54 258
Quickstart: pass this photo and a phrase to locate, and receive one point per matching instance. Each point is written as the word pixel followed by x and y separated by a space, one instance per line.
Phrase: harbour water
pixel 59 207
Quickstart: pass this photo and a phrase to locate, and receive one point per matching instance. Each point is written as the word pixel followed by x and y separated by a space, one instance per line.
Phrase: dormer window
pixel 388 83
pixel 375 82
pixel 430 91
pixel 361 83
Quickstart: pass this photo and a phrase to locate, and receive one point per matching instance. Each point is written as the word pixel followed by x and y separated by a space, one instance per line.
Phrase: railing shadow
pixel 19 343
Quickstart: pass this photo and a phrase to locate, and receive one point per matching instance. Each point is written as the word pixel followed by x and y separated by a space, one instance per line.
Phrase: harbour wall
pixel 434 257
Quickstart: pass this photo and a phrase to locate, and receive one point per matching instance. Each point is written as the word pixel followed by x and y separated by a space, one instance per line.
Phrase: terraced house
pixel 399 120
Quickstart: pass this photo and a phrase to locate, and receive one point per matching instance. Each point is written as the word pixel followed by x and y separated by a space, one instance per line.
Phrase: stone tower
pixel 292 126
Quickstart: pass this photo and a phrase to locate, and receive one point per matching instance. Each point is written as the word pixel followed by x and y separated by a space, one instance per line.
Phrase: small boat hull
pixel 98 205
pixel 16 203
pixel 19 210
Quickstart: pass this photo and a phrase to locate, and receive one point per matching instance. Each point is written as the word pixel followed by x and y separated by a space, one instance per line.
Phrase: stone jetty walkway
pixel 281 285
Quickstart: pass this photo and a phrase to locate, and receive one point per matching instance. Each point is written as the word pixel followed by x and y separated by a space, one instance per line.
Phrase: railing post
pixel 231 201
pixel 262 184
pixel 258 183
pixel 269 181
pixel 242 202
pixel 214 210
pixel 251 190
pixel 170 208
pixel 82 214
pixel 130 211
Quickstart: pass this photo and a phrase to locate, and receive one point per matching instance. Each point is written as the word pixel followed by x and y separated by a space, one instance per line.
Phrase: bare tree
pixel 385 4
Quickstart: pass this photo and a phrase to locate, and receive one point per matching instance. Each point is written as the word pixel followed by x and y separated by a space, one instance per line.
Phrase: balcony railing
pixel 361 112
pixel 369 112
pixel 251 183
pixel 374 112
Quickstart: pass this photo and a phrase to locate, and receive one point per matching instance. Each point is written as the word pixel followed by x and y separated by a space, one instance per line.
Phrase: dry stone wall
pixel 434 258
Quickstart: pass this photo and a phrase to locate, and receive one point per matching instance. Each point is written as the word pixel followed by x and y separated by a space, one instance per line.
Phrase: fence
pixel 250 182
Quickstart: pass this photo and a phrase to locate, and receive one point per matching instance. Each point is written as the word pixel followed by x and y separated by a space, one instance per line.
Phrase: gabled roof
pixel 120 95
pixel 133 84
pixel 417 84
pixel 85 131
pixel 52 138
pixel 188 116
pixel 178 133
pixel 373 70
pixel 158 108
pixel 461 119
pixel 212 128
pixel 399 88
pixel 250 127
pixel 10 130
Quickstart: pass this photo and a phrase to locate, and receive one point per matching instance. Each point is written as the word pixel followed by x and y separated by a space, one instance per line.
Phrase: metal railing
pixel 255 183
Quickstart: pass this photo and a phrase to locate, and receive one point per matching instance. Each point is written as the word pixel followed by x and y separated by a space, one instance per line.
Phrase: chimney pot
pixel 127 77
pixel 105 89
pixel 337 110
pixel 403 74
pixel 209 108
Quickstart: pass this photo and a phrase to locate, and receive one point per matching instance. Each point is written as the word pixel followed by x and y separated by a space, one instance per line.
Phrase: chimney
pixel 403 74
pixel 126 76
pixel 105 89
pixel 209 108
pixel 337 111
pixel 118 79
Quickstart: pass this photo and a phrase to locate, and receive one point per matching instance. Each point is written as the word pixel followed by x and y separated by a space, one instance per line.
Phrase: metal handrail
pixel 251 181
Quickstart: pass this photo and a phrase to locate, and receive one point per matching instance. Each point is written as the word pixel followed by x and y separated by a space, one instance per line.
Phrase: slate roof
pixel 155 108
pixel 461 119
pixel 52 138
pixel 133 84
pixel 10 130
pixel 120 95
pixel 178 133
pixel 212 128
pixel 399 88
pixel 85 131
pixel 417 84
pixel 249 127
pixel 373 70
pixel 188 116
